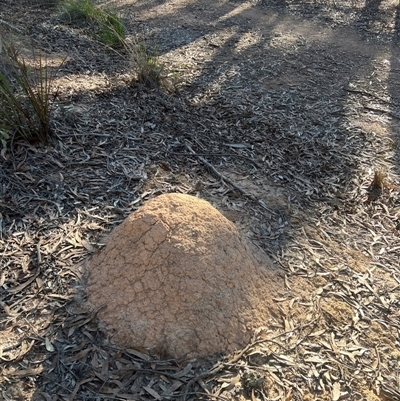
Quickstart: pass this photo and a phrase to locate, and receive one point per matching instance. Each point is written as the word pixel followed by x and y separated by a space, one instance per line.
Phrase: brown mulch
pixel 285 116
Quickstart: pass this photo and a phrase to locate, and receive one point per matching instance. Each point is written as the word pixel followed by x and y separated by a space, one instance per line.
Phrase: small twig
pixel 365 93
pixel 226 179
pixel 217 368
pixel 390 392
pixel 11 347
pixel 19 288
pixel 379 359
pixel 237 357
pixel 50 201
pixel 390 113
pixel 221 154
pixel 10 25
pixel 39 255
pixel 87 134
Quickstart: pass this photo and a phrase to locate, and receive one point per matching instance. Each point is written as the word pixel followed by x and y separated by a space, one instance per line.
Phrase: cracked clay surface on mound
pixel 178 279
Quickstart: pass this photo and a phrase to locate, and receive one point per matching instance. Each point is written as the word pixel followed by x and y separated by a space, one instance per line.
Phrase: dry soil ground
pixel 295 103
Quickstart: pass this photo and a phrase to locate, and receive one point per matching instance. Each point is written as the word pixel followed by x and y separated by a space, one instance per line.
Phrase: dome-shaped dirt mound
pixel 177 278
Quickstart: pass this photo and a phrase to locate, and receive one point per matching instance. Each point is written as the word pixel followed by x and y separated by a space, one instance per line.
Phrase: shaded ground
pixel 297 103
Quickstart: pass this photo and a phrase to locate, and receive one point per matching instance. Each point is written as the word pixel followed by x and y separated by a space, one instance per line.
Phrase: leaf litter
pixel 287 152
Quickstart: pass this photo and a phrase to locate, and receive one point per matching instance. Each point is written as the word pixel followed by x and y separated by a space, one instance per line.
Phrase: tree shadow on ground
pixel 268 98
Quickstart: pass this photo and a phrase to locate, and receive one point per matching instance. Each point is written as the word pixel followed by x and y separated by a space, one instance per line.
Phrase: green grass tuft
pixel 146 63
pixel 110 28
pixel 112 31
pixel 26 95
pixel 79 10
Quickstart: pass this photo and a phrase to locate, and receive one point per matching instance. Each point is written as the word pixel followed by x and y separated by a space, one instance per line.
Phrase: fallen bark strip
pixel 227 180
pixel 222 154
pixel 366 93
pixel 10 25
pixel 378 109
